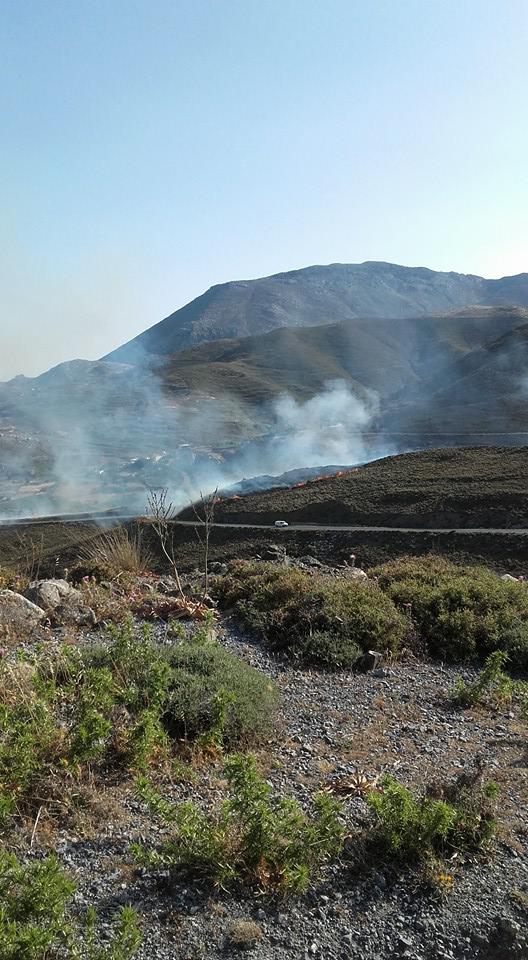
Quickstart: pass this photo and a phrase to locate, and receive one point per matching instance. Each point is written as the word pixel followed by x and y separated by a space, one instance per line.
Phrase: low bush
pixel 410 827
pixel 125 703
pixel 254 836
pixel 315 619
pixel 460 612
pixel 34 923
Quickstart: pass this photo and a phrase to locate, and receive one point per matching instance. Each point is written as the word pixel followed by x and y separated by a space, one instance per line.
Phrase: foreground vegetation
pixel 258 838
pixel 155 710
pixel 123 704
pixel 461 815
pixel 253 837
pixel 34 919
pixel 460 612
pixel 314 619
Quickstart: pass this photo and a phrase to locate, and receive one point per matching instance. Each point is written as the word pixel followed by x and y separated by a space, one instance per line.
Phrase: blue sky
pixel 152 148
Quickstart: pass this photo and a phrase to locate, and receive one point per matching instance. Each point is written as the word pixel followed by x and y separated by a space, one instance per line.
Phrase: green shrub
pixel 253 837
pixel 315 619
pixel 211 687
pixel 175 689
pixel 419 828
pixel 33 917
pixel 461 612
pixel 30 745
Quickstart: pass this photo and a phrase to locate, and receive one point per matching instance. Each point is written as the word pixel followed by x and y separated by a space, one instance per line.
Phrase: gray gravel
pixel 395 719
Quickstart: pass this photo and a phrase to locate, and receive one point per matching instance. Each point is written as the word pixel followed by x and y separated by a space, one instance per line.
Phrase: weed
pixel 438 879
pixel 214 737
pixel 205 632
pixel 147 740
pixel 253 836
pixel 419 828
pixel 492 684
pixel 34 922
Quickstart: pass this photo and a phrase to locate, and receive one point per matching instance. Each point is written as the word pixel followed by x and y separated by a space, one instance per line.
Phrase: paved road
pixel 345 528
pixel 519 531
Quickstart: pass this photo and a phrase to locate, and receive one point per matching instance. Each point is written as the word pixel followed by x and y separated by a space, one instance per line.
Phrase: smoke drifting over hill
pixel 98 438
pixel 358 362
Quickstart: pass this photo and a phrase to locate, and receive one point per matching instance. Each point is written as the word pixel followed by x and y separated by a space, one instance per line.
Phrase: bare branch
pixel 161 512
pixel 205 517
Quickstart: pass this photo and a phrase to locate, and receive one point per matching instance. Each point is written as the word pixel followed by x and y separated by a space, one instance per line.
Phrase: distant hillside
pixel 485 390
pixel 396 357
pixel 206 408
pixel 462 487
pixel 319 295
pixel 417 367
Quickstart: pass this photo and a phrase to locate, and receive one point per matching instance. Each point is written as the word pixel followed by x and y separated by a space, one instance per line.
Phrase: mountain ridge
pixel 316 295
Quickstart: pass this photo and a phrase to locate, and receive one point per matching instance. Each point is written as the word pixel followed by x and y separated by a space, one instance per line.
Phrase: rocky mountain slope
pixel 319 295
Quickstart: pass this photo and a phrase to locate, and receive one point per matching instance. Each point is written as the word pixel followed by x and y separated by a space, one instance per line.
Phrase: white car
pixel 281 523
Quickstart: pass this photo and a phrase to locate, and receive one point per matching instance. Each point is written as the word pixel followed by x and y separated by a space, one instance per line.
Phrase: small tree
pixel 162 513
pixel 204 514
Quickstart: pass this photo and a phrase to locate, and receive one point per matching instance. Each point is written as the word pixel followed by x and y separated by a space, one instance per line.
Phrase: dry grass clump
pixel 118 551
pixel 243 933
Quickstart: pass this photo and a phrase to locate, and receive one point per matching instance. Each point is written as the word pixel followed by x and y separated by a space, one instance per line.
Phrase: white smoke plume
pixel 111 433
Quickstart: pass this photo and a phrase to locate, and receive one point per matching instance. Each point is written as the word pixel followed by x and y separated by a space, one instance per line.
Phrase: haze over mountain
pixel 319 295
pixel 323 385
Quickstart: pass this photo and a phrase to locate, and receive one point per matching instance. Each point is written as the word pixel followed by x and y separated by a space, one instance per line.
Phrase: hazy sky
pixel 151 148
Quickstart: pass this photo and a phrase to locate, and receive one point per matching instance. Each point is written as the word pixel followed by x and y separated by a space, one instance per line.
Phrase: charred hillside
pixel 463 487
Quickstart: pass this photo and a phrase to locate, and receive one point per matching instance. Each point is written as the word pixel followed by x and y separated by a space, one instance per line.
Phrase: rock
pixel 18 611
pixel 220 569
pixel 49 594
pixel 354 573
pixel 75 614
pixel 508 577
pixel 275 552
pixel 370 660
pixel 168 586
pixel 62 601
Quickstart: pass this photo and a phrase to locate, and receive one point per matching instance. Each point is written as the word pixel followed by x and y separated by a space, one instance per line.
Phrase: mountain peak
pixel 319 294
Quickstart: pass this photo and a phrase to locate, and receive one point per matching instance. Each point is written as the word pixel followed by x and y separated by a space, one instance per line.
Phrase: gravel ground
pixel 394 719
